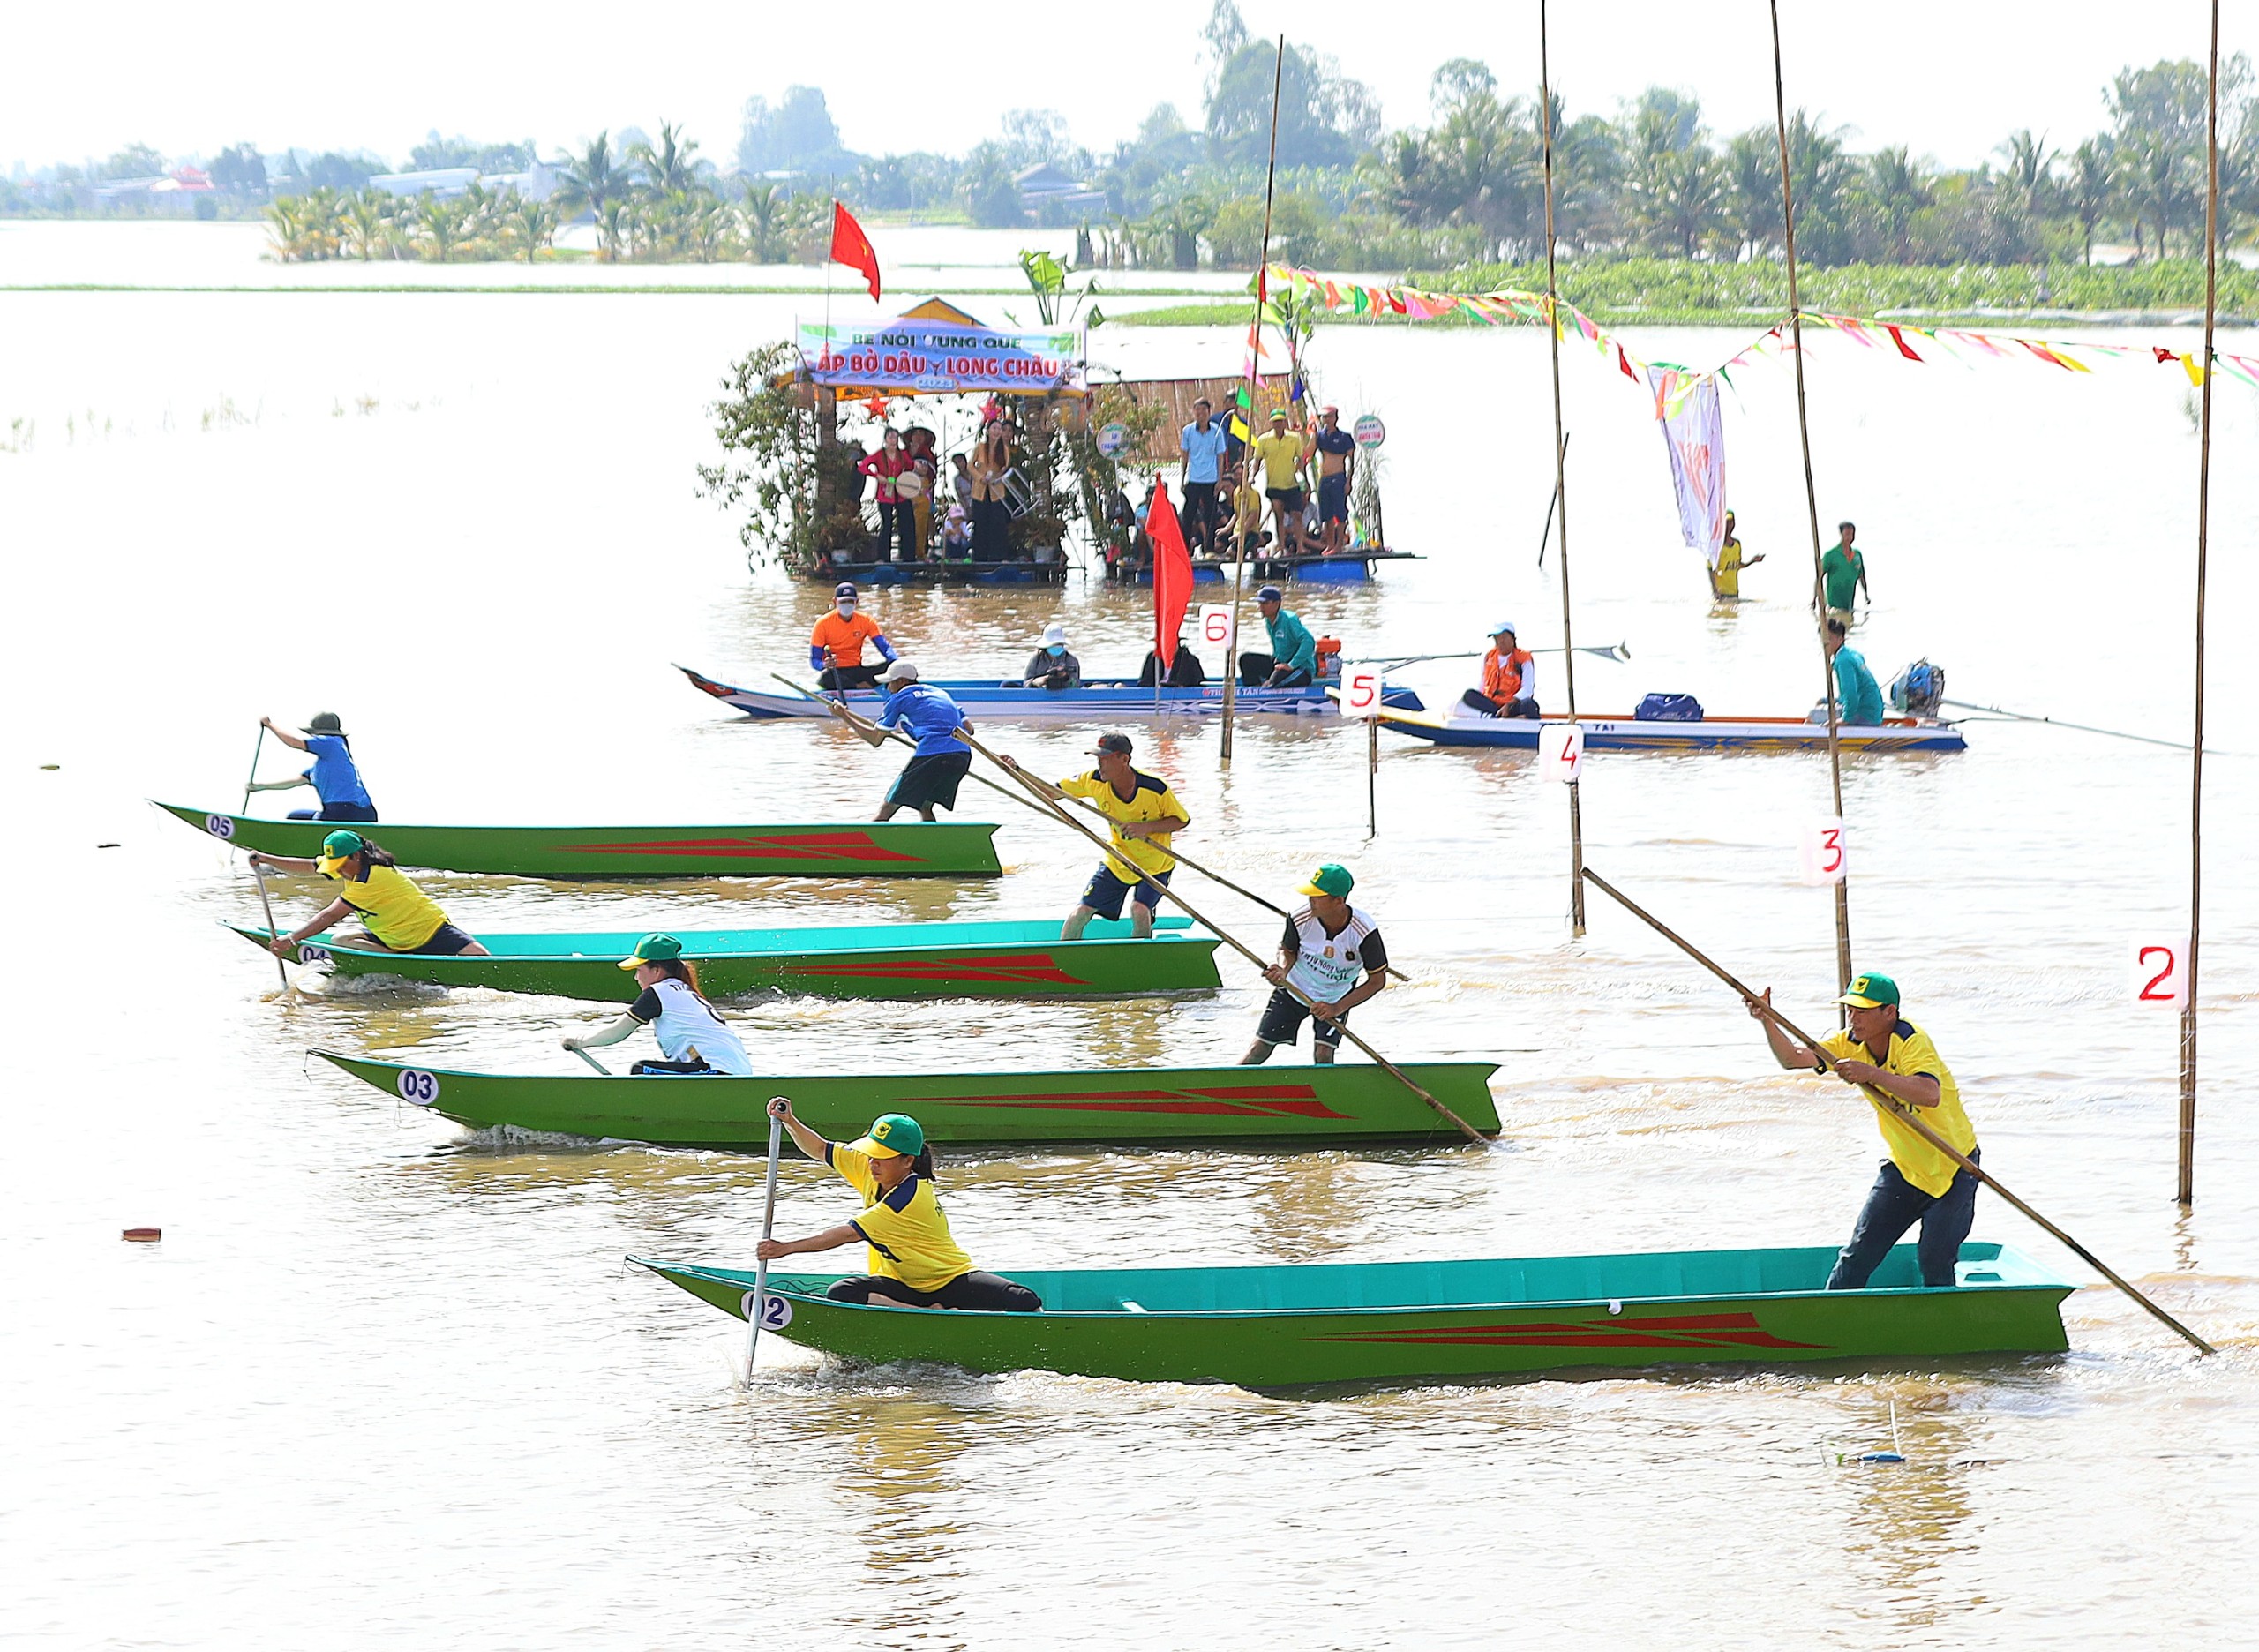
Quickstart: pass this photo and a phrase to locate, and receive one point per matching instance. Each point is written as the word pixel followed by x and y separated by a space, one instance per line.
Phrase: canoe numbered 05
pixel 1275 1327
pixel 1286 1106
pixel 941 849
pixel 1022 958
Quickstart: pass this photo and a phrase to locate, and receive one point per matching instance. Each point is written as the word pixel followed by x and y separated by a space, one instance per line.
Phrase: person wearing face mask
pixel 836 645
pixel 1052 667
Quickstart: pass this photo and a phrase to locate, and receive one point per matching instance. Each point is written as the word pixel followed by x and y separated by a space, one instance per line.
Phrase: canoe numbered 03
pixel 1098 697
pixel 941 849
pixel 1005 959
pixel 1285 1106
pixel 1277 1327
pixel 1627 733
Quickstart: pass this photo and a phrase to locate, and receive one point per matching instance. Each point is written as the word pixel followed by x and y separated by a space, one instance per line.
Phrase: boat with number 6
pixel 1276 1327
pixel 1010 958
pixel 1283 1106
pixel 915 849
pixel 1709 733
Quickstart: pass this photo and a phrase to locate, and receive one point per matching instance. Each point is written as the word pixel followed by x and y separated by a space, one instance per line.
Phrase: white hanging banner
pixel 2157 971
pixel 1561 751
pixel 1360 691
pixel 1215 623
pixel 1820 849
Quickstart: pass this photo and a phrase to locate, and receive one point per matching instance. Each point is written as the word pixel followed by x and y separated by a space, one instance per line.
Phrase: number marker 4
pixel 2156 972
pixel 1821 852
pixel 1561 751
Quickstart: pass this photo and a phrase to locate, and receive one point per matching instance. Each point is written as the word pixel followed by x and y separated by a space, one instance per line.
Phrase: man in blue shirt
pixel 1203 442
pixel 1292 662
pixel 335 778
pixel 1336 451
pixel 941 761
pixel 1858 699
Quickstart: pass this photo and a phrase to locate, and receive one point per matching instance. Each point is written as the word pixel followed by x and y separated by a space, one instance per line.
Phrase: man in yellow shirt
pixel 1900 1072
pixel 1145 814
pixel 1280 452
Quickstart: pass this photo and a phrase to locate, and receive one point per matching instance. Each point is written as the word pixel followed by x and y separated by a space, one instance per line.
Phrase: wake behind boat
pixel 1098 698
pixel 1620 732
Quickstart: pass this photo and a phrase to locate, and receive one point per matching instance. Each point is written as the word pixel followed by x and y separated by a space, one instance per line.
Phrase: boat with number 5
pixel 1276 1327
pixel 1097 698
pixel 1709 733
pixel 1277 1106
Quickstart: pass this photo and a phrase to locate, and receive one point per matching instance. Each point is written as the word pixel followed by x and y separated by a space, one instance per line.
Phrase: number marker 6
pixel 220 826
pixel 418 1086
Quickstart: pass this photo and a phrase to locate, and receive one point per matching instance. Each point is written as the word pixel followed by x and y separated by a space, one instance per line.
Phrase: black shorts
pixel 1334 496
pixel 1104 892
pixel 446 942
pixel 364 814
pixel 672 1069
pixel 1288 499
pixel 976 1292
pixel 1283 1017
pixel 931 782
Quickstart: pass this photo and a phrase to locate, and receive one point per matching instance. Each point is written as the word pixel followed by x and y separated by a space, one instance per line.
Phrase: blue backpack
pixel 1670 708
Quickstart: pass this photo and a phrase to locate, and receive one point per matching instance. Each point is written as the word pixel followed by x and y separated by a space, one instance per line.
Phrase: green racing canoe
pixel 914 849
pixel 1012 958
pixel 1280 1106
pixel 1276 1327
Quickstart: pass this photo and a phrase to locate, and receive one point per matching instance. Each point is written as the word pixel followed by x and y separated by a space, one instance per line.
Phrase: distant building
pixel 538 182
pixel 1044 185
pixel 444 182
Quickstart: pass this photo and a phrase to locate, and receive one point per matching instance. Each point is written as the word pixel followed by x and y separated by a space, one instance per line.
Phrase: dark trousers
pixel 1200 515
pixel 975 1293
pixel 671 1069
pixel 1893 1205
pixel 897 517
pixel 1483 705
pixel 992 531
pixel 362 814
pixel 848 677
pixel 1254 672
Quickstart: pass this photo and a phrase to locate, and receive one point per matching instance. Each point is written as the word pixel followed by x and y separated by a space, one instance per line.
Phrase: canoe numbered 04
pixel 941 849
pixel 1286 1106
pixel 1275 1327
pixel 1022 958
pixel 1627 733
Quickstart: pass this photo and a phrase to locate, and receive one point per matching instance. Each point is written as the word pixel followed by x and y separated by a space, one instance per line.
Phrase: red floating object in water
pixel 143 1236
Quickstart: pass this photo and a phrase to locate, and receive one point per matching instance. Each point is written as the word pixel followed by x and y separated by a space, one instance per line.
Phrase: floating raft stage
pixel 1287 1107
pixel 941 849
pixel 1021 959
pixel 1343 567
pixel 1272 1327
pixel 1628 733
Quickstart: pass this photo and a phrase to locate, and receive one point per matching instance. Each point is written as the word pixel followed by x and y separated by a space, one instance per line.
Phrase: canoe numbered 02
pixel 1273 1105
pixel 1012 958
pixel 1277 1327
pixel 918 849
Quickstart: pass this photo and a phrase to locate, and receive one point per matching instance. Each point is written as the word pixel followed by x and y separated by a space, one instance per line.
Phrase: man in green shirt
pixel 1844 571
pixel 1292 662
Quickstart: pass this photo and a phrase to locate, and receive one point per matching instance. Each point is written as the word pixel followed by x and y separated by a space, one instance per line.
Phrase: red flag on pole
pixel 851 247
pixel 1172 577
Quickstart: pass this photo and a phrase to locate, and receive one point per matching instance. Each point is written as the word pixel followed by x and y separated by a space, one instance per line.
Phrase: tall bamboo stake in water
pixel 2185 1188
pixel 1906 1114
pixel 1254 383
pixel 1560 476
pixel 1812 505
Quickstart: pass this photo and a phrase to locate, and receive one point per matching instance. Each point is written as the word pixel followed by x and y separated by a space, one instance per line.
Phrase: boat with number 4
pixel 917 849
pixel 1012 958
pixel 1285 1107
pixel 1709 733
pixel 1275 1327
pixel 1115 698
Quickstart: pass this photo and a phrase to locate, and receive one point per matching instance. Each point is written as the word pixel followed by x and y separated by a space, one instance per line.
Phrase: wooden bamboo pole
pixel 1883 1100
pixel 1560 473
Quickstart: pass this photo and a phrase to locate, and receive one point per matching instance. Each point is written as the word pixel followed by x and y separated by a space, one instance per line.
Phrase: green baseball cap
pixel 340 845
pixel 652 949
pixel 1329 880
pixel 1872 991
pixel 893 1136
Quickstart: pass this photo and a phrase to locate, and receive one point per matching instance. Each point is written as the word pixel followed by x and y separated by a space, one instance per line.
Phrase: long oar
pixel 267 906
pixel 2083 728
pixel 768 1231
pixel 594 1063
pixel 873 736
pixel 251 780
pixel 1388 1066
pixel 1891 1102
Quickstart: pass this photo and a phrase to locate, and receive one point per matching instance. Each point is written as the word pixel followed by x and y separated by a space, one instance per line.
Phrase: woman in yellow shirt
pixel 399 917
pixel 915 1262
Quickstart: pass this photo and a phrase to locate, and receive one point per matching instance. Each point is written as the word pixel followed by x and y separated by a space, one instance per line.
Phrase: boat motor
pixel 1918 690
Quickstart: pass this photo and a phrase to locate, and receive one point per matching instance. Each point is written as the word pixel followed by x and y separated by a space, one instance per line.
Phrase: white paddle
pixel 259 876
pixel 592 1062
pixel 768 1231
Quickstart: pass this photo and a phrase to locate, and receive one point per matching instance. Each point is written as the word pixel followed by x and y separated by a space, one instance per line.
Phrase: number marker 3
pixel 421 1088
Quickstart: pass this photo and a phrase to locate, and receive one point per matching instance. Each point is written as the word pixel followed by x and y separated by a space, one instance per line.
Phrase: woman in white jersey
pixel 692 1037
pixel 1328 944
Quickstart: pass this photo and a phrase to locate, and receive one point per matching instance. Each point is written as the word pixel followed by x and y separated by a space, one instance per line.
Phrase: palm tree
pixel 367 216
pixel 1901 190
pixel 442 222
pixel 530 224
pixel 613 225
pixel 1753 189
pixel 761 211
pixel 2092 188
pixel 666 164
pixel 2029 171
pixel 591 179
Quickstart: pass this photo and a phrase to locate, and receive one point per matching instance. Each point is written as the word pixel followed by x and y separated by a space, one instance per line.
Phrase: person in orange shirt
pixel 836 645
pixel 1509 678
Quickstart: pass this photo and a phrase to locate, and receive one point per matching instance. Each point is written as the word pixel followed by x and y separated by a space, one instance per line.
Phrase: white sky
pixel 1950 79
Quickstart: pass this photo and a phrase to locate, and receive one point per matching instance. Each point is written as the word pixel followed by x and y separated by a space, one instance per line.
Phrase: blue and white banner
pixel 909 357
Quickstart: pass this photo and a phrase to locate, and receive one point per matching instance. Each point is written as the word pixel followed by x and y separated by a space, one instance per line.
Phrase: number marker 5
pixel 220 826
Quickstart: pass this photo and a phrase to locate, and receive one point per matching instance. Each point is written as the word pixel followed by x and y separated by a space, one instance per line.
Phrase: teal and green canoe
pixel 1282 1106
pixel 1002 959
pixel 1276 1327
pixel 916 849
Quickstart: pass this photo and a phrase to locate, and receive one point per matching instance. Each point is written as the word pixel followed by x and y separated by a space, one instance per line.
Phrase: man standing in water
pixel 1145 815
pixel 1899 1071
pixel 1327 944
pixel 1725 579
pixel 1843 574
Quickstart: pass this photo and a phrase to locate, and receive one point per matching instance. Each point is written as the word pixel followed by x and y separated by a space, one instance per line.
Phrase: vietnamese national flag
pixel 1172 577
pixel 851 247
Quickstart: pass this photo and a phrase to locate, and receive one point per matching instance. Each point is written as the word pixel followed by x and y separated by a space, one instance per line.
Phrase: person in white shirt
pixel 1328 945
pixel 693 1037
